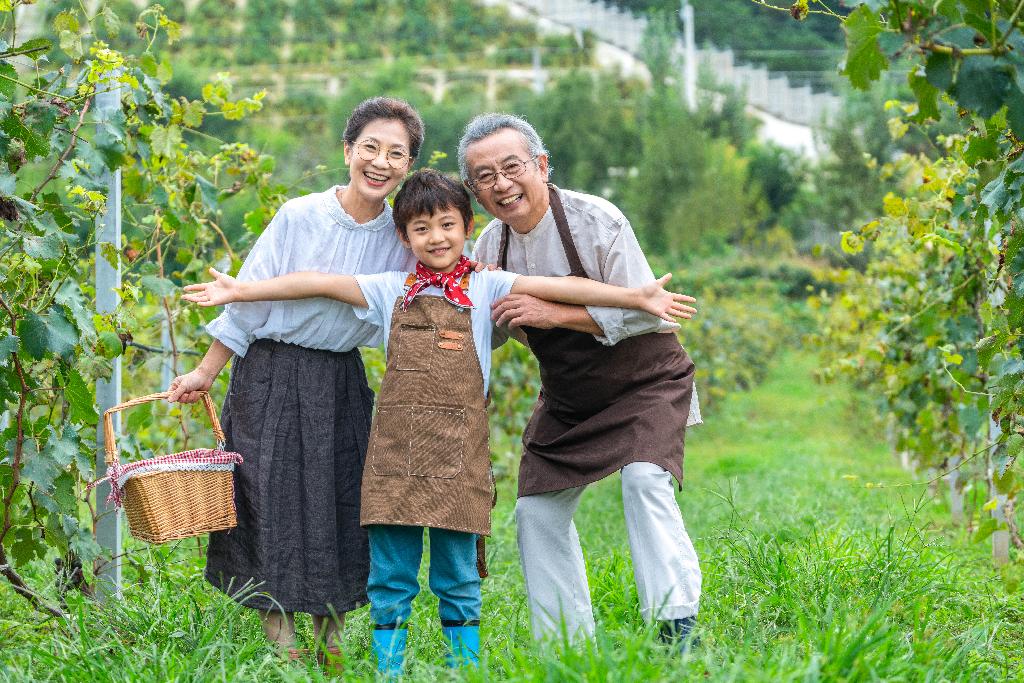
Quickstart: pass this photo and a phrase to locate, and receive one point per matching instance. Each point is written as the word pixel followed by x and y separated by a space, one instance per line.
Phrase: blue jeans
pixel 395 554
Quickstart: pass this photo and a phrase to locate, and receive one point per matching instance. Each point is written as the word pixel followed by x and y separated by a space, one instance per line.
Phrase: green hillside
pixel 222 33
pixel 808 49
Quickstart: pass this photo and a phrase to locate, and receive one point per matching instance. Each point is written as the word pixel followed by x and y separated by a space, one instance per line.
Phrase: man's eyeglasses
pixel 396 157
pixel 487 179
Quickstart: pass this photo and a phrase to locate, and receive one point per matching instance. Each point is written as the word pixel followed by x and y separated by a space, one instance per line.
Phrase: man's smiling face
pixel 521 201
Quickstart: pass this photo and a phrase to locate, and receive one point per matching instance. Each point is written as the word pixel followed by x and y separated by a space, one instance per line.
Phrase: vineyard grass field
pixel 809 574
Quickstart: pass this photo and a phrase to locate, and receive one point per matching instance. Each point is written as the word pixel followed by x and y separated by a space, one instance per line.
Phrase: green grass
pixel 808 575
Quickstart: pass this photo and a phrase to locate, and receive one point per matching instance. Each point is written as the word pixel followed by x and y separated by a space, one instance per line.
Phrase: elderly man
pixel 616 396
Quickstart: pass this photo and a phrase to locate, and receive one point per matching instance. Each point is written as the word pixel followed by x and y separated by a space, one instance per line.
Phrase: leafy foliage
pixel 57 151
pixel 934 323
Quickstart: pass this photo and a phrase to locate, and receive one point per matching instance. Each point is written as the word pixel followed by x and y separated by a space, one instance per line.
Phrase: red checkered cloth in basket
pixel 198 460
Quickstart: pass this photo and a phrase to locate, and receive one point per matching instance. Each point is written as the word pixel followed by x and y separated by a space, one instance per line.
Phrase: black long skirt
pixel 301 420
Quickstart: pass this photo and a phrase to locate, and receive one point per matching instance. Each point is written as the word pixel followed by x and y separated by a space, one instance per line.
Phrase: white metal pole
pixel 108 392
pixel 690 63
pixel 166 360
pixel 1001 536
pixel 538 71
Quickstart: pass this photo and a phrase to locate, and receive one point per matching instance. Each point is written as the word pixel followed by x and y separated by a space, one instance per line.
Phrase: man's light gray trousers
pixel 664 562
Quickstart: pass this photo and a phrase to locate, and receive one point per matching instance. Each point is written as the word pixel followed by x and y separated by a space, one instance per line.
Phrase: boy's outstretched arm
pixel 225 289
pixel 652 298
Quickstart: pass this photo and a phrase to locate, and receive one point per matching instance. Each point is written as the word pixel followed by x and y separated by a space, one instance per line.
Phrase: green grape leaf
pixel 40 47
pixel 62 335
pixel 158 286
pixel 926 95
pixel 81 399
pixel 147 62
pixel 864 58
pixel 111 22
pixel 34 335
pixel 983 85
pixel 875 5
pixel 70 295
pixel 1005 480
pixel 60 499
pixel 985 528
pixel 207 192
pixel 1015 111
pixel 8 345
pixel 66 21
pixel 192 114
pixel 164 71
pixel 938 70
pixel 110 345
pixel 43 248
pixel 981 147
pixel 165 141
pixel 35 145
pixel 39 469
pixel 7 86
pixel 27 546
pixel 61 447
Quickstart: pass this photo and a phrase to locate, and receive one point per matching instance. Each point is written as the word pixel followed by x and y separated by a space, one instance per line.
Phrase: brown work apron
pixel 601 407
pixel 428 462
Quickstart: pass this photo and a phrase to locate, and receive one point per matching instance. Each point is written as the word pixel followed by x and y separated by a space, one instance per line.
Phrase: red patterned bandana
pixel 450 283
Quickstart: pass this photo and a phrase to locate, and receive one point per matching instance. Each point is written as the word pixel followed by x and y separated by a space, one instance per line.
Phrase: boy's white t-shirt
pixel 382 289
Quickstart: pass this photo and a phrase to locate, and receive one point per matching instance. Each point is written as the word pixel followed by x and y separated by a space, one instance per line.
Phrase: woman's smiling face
pixel 374 179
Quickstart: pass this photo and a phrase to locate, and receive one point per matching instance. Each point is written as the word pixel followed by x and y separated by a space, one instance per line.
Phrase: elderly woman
pixel 298 406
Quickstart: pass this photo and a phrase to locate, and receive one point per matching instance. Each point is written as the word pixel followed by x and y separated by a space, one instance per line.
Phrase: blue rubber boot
pixel 389 646
pixel 679 633
pixel 463 645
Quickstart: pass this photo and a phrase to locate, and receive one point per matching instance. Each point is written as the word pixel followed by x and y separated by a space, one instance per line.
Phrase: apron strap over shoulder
pixel 558 211
pixel 568 246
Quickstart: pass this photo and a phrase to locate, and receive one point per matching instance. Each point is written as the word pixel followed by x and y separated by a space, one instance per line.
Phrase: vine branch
pixel 63 157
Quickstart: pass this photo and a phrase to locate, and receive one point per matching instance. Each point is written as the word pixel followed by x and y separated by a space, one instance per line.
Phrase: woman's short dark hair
pixel 388 108
pixel 426 192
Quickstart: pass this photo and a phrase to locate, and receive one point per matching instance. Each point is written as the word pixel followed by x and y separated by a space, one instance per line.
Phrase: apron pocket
pixel 389 443
pixel 415 347
pixel 437 438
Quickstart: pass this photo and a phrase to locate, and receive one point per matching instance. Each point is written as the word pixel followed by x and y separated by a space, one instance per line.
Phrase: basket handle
pixel 110 447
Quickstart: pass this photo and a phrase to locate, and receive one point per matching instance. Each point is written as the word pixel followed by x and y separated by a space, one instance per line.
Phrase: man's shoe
pixel 389 646
pixel 679 632
pixel 463 645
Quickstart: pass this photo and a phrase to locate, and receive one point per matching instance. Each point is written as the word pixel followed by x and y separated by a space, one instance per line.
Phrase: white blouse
pixel 312 233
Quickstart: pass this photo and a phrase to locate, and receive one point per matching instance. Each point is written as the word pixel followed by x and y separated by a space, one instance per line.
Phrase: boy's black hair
pixel 426 192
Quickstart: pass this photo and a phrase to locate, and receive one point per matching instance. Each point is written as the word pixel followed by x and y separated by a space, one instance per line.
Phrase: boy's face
pixel 437 239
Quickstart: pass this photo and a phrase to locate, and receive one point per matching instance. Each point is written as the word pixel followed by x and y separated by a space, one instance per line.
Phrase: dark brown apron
pixel 601 407
pixel 428 462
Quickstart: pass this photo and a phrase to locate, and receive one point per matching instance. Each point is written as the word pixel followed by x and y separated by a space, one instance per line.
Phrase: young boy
pixel 428 462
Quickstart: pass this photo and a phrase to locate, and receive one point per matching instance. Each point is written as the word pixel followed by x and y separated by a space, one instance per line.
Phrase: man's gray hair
pixel 485 125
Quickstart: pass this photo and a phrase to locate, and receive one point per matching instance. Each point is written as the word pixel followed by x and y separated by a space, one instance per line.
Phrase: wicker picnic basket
pixel 173 496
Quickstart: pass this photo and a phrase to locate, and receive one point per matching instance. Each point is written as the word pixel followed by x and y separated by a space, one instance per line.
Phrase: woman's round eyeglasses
pixel 511 169
pixel 396 157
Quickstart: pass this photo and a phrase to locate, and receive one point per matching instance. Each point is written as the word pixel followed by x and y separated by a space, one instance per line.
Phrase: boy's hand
pixel 223 290
pixel 654 298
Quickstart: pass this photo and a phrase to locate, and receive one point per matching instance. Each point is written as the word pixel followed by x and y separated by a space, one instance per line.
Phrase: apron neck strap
pixel 558 212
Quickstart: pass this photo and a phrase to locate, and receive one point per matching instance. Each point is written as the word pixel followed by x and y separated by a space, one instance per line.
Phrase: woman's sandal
pixel 331 659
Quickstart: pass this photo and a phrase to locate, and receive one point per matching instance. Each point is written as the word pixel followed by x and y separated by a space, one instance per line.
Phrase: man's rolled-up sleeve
pixel 626 266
